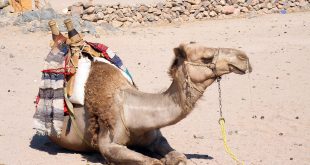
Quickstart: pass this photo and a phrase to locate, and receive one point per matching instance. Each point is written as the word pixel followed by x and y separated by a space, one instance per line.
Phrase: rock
pixel 90 17
pixel 184 17
pixel 119 13
pixel 76 10
pixel 88 4
pixel 228 10
pixel 2 47
pixel 269 6
pixel 127 24
pixel 199 16
pixel 222 2
pixel 89 10
pixel 160 6
pixel 121 19
pixel 139 16
pixel 143 8
pixel 205 3
pixel 100 15
pixel 110 10
pixel 176 8
pixel 150 17
pixel 212 14
pixel 237 12
pixel 205 14
pixel 195 7
pixel 244 9
pixel 193 2
pixel 152 10
pixel 116 23
pixel 168 5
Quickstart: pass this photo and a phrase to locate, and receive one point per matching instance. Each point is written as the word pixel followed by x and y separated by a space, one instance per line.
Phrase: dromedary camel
pixel 116 115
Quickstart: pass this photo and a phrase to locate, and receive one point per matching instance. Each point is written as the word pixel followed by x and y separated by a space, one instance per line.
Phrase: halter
pixel 211 66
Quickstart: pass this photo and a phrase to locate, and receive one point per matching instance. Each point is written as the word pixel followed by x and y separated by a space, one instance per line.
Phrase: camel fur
pixel 117 116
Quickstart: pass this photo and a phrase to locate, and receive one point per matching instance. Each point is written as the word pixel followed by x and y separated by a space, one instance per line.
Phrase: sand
pixel 267 112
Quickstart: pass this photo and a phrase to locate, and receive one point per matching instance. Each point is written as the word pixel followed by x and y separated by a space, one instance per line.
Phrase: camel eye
pixel 207 60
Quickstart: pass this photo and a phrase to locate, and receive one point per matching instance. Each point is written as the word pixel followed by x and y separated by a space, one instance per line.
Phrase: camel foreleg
pixel 170 156
pixel 121 155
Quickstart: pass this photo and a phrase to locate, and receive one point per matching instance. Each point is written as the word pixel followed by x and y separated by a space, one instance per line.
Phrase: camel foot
pixel 174 158
pixel 154 162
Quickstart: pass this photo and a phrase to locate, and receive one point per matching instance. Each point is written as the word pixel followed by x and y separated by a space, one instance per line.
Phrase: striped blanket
pixel 49 115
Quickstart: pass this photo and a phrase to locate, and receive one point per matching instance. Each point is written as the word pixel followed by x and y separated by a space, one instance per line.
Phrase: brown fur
pixel 103 83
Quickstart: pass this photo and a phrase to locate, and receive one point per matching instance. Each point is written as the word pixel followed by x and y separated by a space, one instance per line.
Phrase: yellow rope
pixel 228 150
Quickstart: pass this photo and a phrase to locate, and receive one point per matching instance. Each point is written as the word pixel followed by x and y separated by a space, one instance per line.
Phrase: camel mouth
pixel 237 69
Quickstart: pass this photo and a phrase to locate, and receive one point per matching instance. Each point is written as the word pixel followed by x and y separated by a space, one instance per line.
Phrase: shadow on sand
pixel 198 156
pixel 42 143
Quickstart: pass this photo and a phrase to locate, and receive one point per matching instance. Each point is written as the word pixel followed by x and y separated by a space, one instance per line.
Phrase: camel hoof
pixel 175 158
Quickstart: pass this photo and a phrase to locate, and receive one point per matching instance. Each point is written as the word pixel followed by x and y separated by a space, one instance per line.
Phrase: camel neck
pixel 144 111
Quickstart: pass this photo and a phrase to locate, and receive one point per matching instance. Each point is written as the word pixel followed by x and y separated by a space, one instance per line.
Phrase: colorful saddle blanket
pixel 52 99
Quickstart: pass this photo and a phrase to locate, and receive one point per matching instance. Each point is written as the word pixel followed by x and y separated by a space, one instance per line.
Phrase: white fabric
pixel 81 76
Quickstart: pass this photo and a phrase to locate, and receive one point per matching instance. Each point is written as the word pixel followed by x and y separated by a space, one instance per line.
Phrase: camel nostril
pixel 242 57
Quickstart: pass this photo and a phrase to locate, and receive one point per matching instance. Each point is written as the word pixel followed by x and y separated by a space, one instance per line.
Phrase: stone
pixel 76 10
pixel 100 16
pixel 269 6
pixel 212 14
pixel 222 2
pixel 150 17
pixel 184 17
pixel 228 10
pixel 237 12
pixel 205 3
pixel 119 13
pixel 121 19
pixel 152 10
pixel 127 24
pixel 205 13
pixel 193 2
pixel 160 6
pixel 116 23
pixel 89 10
pixel 88 4
pixel 2 47
pixel 139 16
pixel 110 10
pixel 168 5
pixel 244 9
pixel 143 8
pixel 199 16
pixel 177 8
pixel 89 17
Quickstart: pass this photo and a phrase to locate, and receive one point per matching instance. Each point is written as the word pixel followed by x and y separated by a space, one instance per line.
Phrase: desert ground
pixel 267 112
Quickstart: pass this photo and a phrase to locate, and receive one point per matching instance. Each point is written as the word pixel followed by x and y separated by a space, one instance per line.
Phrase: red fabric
pixel 66 112
pixel 101 48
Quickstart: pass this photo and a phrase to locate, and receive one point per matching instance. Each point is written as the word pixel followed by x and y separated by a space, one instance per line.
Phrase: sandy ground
pixel 267 112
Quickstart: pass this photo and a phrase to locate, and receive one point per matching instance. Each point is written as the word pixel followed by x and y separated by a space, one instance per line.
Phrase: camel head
pixel 202 65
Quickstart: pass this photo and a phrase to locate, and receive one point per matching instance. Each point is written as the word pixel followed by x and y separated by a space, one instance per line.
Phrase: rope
pixel 227 149
pixel 223 130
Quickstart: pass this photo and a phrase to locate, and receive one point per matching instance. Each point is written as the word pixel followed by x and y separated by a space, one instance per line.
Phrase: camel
pixel 117 116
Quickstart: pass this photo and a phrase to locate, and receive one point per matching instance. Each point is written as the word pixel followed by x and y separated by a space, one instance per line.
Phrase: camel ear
pixel 179 52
